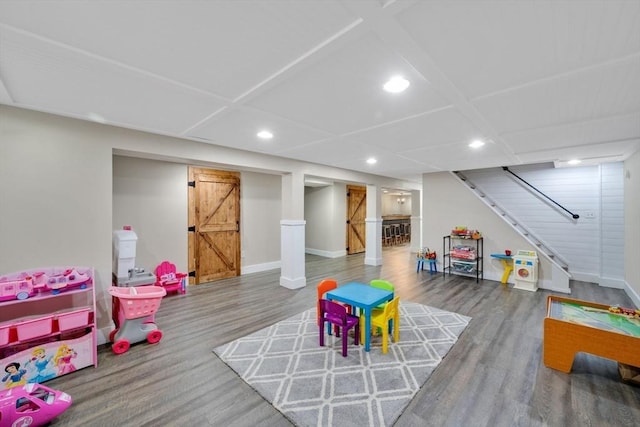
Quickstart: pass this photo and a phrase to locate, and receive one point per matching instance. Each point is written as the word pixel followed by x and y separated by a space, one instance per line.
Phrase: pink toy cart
pixel 133 314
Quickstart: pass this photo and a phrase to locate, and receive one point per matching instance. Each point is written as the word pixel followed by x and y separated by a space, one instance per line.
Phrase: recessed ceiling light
pixel 574 161
pixel 372 161
pixel 264 134
pixel 396 84
pixel 476 144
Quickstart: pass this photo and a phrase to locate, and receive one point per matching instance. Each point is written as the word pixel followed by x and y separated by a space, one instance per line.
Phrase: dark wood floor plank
pixel 493 376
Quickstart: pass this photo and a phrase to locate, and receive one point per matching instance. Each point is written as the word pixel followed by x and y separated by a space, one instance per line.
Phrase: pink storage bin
pixel 4 333
pixel 73 319
pixel 34 327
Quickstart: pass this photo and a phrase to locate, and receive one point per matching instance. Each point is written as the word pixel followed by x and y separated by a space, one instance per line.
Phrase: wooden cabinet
pixel 47 324
pixel 463 255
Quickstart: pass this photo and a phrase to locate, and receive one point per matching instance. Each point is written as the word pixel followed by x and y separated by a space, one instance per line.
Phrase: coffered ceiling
pixel 538 81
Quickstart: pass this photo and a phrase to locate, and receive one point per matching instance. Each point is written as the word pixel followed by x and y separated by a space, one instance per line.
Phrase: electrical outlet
pixel 242 254
pixel 589 215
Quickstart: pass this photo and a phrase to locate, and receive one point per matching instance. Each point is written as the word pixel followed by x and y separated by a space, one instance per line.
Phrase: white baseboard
pixel 609 282
pixel 633 294
pixel 257 268
pixel 326 254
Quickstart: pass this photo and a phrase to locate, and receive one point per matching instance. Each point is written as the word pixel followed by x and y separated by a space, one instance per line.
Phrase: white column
pixel 416 221
pixel 292 232
pixel 373 250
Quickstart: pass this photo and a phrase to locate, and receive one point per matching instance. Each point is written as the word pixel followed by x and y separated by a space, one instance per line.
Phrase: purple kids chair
pixel 337 314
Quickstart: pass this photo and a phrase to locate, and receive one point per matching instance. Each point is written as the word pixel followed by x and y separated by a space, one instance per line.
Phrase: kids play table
pixel 573 326
pixel 364 297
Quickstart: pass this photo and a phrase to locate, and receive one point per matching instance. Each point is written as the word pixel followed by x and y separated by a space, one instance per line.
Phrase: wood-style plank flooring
pixel 493 376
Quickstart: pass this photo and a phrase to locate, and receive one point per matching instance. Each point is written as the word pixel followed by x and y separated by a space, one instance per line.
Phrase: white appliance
pixel 525 269
pixel 124 252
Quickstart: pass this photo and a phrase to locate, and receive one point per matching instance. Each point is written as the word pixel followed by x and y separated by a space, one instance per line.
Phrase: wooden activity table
pixel 573 326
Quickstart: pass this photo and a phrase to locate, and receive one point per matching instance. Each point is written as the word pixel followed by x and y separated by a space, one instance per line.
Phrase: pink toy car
pixel 21 288
pixel 31 405
pixel 67 280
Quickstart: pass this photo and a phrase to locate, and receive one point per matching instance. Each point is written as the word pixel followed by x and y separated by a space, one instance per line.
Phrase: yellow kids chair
pixel 380 319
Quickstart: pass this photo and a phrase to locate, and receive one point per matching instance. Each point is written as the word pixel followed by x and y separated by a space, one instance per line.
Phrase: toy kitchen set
pixel 125 272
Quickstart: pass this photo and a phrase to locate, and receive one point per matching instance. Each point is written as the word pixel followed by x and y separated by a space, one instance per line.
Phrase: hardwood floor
pixel 493 376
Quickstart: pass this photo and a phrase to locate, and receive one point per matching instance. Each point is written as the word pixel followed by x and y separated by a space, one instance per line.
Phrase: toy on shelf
pixel 31 405
pixel 168 279
pixel 133 313
pixel 25 285
pixel 19 288
pixel 462 232
pixel 69 279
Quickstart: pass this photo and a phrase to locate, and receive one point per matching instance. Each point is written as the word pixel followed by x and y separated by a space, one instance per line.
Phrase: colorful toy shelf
pixel 47 324
pixel 463 254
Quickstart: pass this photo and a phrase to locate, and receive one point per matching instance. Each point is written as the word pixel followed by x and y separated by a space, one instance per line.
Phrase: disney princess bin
pixel 135 308
pixel 525 267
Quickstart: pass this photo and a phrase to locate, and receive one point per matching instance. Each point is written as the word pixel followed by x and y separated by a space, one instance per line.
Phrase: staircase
pixel 560 273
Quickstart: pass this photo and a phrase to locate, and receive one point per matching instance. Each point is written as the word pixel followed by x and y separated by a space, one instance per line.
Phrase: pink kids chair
pixel 167 278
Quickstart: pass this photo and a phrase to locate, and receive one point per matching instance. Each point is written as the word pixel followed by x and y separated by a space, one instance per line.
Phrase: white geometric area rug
pixel 316 386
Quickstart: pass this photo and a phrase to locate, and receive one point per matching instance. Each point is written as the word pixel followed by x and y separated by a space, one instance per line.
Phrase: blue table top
pixel 502 256
pixel 360 295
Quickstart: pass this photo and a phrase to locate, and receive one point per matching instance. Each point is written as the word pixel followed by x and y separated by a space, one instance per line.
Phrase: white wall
pixel 260 199
pixel 390 205
pixel 611 225
pixel 325 216
pixel 632 227
pixel 151 197
pixel 55 190
pixel 449 204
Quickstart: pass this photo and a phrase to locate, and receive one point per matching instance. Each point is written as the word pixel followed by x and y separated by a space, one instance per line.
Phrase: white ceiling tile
pixel 437 128
pixel 485 46
pixel 599 92
pixel 223 47
pixel 602 131
pixel 615 150
pixel 237 128
pixel 55 78
pixel 459 156
pixel 343 91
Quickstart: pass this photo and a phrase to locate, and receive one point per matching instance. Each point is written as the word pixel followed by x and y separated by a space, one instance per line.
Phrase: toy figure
pixel 14 376
pixel 63 358
pixel 41 362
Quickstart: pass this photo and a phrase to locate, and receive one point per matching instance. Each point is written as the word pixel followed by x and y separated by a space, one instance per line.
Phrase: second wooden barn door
pixel 356 215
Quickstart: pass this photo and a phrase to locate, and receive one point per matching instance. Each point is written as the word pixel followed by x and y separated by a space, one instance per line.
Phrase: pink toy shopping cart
pixel 133 313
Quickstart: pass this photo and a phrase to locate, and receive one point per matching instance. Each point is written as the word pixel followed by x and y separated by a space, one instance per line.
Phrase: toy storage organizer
pixel 47 330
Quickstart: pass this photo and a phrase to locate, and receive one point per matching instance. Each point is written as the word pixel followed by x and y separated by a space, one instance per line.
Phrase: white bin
pixel 124 252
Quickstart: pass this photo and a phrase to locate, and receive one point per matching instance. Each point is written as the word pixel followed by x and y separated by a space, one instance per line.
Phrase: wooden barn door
pixel 356 215
pixel 214 224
